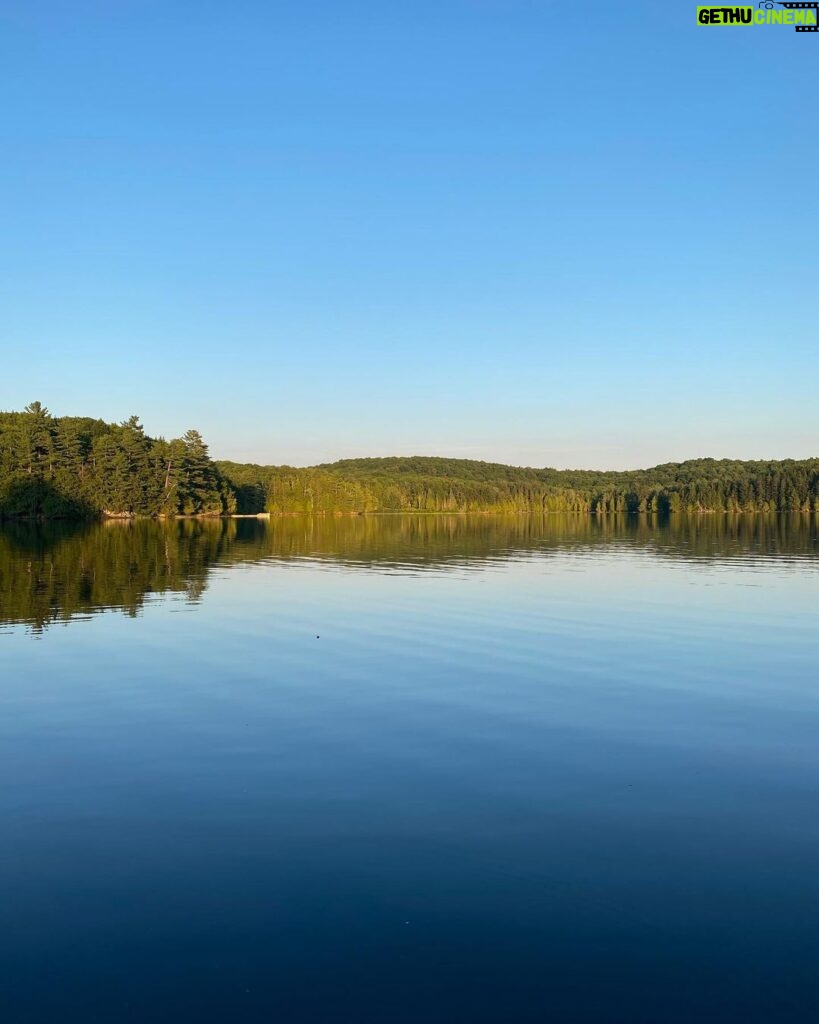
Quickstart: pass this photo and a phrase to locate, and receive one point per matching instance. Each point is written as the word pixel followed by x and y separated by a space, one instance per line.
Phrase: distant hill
pixel 77 466
pixel 428 484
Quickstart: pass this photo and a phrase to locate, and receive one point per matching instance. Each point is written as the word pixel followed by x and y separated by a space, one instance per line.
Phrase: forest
pixel 79 467
pixel 459 485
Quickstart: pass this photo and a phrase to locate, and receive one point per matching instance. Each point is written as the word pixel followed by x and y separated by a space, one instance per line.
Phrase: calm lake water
pixel 431 769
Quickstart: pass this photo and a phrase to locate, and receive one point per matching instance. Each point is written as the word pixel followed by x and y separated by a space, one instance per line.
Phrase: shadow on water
pixel 54 571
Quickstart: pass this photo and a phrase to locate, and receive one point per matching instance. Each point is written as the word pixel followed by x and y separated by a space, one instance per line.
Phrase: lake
pixel 410 769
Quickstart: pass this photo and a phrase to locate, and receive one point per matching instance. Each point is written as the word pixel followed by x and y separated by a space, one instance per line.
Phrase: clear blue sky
pixel 552 234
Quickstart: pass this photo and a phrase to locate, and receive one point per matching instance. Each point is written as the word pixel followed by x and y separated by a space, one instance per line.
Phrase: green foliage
pixel 76 467
pixel 458 485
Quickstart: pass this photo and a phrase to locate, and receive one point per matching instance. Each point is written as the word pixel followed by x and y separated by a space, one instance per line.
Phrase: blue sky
pixel 549 234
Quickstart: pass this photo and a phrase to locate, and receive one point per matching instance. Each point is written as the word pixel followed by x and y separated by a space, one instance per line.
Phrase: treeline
pixel 80 467
pixel 75 467
pixel 459 485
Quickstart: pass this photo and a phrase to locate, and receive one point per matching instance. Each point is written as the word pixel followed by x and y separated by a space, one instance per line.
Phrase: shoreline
pixel 266 516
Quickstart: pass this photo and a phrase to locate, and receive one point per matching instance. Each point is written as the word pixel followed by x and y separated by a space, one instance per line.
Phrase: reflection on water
pixel 53 571
pixel 410 770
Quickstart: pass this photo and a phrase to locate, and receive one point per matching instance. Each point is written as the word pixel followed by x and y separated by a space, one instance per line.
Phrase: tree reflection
pixel 52 572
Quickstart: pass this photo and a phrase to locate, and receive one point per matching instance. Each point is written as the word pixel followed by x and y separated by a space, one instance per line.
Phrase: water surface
pixel 427 769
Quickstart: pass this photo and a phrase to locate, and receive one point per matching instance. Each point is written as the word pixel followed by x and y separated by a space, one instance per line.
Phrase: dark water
pixel 410 769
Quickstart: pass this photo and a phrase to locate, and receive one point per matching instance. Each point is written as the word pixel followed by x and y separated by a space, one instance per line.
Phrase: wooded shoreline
pixel 268 516
pixel 84 468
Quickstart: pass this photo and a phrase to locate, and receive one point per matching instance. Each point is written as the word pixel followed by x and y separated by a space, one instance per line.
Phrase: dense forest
pixel 74 467
pixel 458 485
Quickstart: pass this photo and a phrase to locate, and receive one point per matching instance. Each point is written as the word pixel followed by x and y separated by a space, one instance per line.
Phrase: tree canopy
pixel 420 484
pixel 75 467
